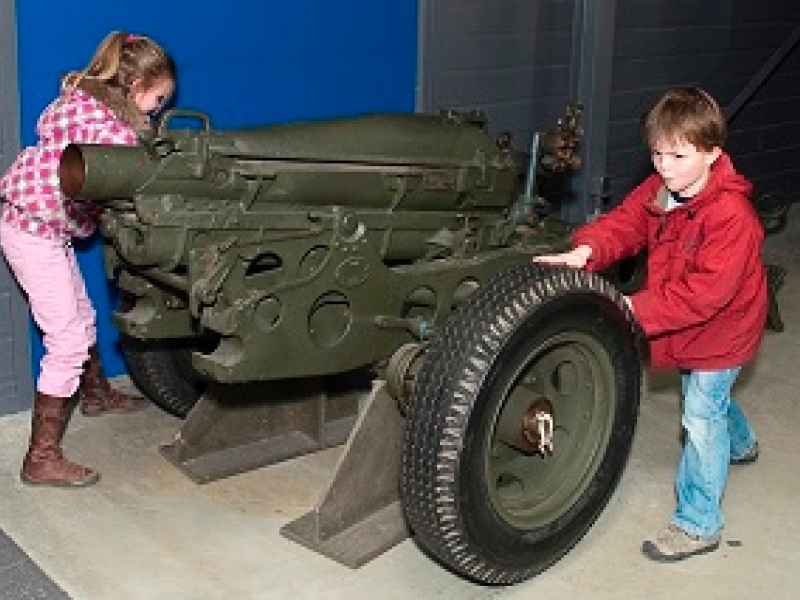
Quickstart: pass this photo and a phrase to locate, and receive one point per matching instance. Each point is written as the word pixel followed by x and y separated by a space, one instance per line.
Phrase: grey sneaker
pixel 673 544
pixel 748 457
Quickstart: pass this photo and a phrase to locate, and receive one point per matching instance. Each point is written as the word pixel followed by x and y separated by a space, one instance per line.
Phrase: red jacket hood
pixel 724 178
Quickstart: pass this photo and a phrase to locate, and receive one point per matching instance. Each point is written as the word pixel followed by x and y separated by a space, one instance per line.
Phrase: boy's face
pixel 683 167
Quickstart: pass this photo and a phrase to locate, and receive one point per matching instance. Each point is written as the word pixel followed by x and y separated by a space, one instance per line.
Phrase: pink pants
pixel 48 273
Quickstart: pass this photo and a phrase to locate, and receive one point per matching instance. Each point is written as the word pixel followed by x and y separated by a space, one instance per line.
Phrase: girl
pixel 111 101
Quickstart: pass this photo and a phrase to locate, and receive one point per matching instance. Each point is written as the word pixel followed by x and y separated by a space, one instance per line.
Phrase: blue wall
pixel 259 62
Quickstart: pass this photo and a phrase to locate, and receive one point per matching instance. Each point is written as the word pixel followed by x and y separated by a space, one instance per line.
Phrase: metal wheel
pixel 164 373
pixel 520 423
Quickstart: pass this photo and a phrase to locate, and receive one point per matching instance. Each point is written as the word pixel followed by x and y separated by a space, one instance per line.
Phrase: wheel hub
pixel 536 427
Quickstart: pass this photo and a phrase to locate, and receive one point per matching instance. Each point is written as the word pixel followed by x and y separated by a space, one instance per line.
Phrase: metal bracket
pixel 236 428
pixel 358 516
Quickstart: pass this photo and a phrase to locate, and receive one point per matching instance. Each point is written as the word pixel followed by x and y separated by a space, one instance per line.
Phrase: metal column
pixel 594 27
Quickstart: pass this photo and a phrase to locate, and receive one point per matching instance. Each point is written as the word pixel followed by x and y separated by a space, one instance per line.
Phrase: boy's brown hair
pixel 688 114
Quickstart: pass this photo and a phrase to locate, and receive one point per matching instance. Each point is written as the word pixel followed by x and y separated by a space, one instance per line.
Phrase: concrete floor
pixel 148 532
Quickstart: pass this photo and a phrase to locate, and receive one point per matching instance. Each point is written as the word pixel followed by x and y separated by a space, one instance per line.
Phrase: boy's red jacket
pixel 704 303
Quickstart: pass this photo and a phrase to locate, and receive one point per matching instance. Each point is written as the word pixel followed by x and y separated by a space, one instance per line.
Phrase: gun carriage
pixel 369 281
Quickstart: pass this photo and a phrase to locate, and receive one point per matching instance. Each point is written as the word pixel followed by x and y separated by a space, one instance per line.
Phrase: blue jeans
pixel 716 429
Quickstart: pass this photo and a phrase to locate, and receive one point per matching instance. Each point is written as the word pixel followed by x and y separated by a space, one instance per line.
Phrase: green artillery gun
pixel 368 280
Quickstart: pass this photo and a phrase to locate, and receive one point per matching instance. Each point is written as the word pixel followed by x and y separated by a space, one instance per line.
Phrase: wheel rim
pixel 568 378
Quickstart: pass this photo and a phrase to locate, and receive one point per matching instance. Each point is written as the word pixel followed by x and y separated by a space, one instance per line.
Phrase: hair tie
pixel 130 38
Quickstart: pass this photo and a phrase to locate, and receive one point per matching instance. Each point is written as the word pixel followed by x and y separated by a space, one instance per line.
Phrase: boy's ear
pixel 713 155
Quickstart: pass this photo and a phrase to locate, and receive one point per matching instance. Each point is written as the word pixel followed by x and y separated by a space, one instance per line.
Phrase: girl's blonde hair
pixel 688 114
pixel 120 61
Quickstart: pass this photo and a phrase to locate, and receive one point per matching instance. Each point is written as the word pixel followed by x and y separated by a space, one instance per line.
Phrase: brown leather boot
pixel 44 463
pixel 97 396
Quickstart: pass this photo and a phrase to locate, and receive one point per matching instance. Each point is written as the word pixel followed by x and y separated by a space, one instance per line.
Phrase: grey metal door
pixel 521 62
pixel 16 378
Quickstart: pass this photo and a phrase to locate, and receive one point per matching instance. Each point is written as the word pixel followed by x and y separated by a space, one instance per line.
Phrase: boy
pixel 704 304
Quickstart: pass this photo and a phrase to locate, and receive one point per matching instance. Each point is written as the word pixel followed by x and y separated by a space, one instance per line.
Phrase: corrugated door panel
pixel 16 384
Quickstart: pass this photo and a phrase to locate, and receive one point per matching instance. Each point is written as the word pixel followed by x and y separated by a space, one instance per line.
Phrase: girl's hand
pixel 575 258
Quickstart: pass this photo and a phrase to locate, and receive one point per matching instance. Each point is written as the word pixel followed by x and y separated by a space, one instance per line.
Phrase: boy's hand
pixel 575 258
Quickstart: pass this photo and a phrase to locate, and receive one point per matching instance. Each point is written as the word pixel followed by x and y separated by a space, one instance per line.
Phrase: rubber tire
pixel 445 495
pixel 629 274
pixel 163 372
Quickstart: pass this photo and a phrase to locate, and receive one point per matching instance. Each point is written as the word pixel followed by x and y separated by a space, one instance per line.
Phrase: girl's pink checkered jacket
pixel 32 198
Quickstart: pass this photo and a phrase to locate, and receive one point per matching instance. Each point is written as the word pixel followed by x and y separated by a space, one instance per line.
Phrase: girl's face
pixel 683 167
pixel 152 99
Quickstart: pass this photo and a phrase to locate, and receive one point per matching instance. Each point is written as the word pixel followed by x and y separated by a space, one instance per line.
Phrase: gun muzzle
pixel 102 172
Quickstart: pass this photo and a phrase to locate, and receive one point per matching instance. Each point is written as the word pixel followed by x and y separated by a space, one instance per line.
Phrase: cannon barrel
pixel 432 162
pixel 97 172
